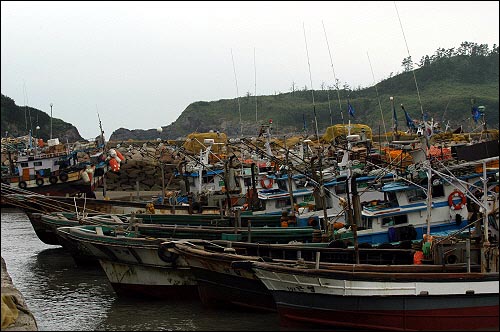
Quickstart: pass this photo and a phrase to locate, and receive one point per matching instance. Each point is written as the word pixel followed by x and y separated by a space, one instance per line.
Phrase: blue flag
pixel 475 114
pixel 409 121
pixel 350 109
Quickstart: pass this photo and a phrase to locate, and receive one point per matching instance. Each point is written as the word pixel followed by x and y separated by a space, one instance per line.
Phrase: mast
pixel 255 74
pixel 102 149
pixel 312 90
pixel 237 94
pixel 484 208
pixel 334 78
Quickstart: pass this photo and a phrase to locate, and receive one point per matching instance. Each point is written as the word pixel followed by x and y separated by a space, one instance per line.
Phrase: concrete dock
pixel 15 313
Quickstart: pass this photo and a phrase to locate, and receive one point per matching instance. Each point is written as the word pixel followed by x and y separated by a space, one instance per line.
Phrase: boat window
pixel 340 188
pixel 282 203
pixel 395 220
pixel 366 223
pixel 415 195
pixel 438 189
pixel 392 198
pixel 401 219
pixel 37 163
pixel 247 182
pixel 282 184
pixel 387 222
pixel 208 179
pixel 24 164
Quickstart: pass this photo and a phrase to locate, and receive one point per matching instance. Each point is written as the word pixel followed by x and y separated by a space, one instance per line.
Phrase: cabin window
pixel 437 188
pixel 340 188
pixel 280 203
pixel 395 220
pixel 362 185
pixel 37 163
pixel 401 219
pixel 247 182
pixel 309 198
pixel 392 198
pixel 415 195
pixel 387 222
pixel 282 184
pixel 366 223
pixel 24 165
pixel 208 179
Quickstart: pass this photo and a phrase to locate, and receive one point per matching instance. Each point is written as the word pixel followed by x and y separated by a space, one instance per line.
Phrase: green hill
pixel 19 120
pixel 447 83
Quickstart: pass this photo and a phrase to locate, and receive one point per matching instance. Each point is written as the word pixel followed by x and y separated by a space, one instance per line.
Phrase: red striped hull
pixel 460 319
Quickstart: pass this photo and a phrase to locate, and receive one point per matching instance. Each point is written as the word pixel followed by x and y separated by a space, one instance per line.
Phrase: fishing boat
pixel 130 257
pixel 222 283
pixel 385 297
pixel 53 168
pixel 46 224
pixel 452 285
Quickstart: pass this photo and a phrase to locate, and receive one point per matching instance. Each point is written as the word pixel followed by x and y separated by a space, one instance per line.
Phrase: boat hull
pixel 384 300
pixel 217 288
pixel 152 282
pixel 431 313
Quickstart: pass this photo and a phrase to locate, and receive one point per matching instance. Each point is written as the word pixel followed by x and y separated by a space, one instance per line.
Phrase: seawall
pixel 15 313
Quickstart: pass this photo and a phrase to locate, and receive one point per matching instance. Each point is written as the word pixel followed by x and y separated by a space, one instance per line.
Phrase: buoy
pixel 115 166
pixel 119 155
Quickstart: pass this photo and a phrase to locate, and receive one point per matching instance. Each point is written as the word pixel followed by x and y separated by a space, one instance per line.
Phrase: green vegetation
pixel 449 81
pixel 19 120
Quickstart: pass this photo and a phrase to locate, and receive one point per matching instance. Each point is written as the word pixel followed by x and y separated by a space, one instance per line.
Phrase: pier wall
pixel 16 315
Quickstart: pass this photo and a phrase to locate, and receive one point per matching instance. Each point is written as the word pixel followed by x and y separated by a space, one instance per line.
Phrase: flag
pixel 409 122
pixel 350 109
pixel 475 114
pixel 394 113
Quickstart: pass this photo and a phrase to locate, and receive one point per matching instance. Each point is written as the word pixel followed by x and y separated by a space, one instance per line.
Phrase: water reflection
pixel 178 315
pixel 66 297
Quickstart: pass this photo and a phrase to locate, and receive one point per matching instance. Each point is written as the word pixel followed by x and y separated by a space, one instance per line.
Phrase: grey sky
pixel 140 64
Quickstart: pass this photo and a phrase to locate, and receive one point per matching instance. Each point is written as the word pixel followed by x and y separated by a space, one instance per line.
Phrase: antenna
pixel 310 79
pixel 334 77
pixel 378 97
pixel 100 127
pixel 26 108
pixel 413 71
pixel 237 93
pixel 255 71
pixel 51 120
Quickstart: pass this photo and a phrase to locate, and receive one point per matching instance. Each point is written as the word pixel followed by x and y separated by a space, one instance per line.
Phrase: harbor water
pixel 65 297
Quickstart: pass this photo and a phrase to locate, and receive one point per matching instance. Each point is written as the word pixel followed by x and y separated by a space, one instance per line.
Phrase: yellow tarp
pixel 337 130
pixel 195 142
pixel 9 311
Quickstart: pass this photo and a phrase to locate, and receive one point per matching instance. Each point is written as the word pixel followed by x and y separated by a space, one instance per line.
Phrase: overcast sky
pixel 140 64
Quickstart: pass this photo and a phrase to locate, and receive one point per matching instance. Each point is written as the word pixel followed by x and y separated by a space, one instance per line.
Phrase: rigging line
pixel 237 93
pixel 25 116
pixel 378 97
pixel 329 106
pixel 449 99
pixel 255 76
pixel 413 71
pixel 26 108
pixel 310 79
pixel 334 77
